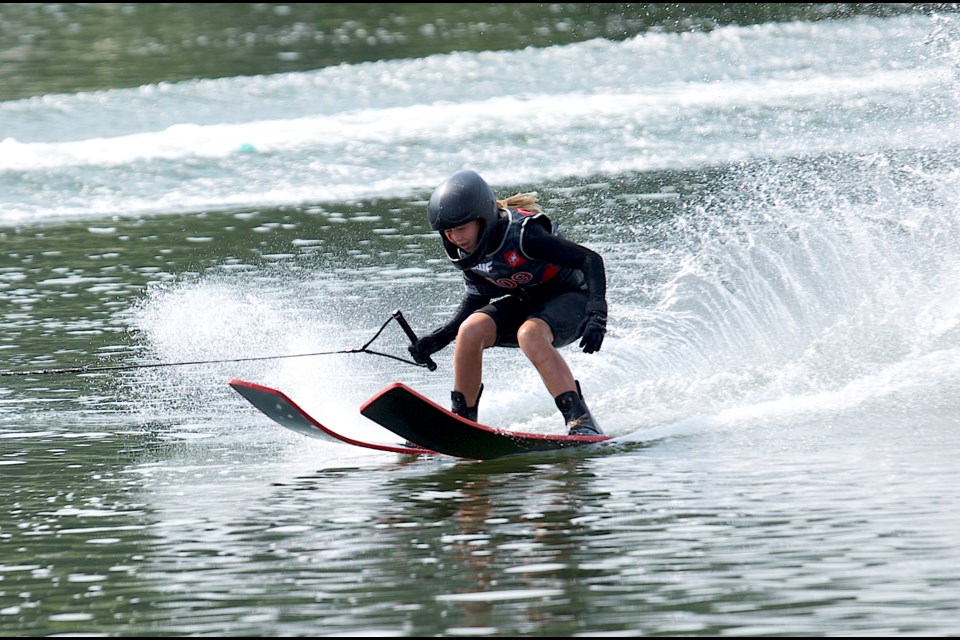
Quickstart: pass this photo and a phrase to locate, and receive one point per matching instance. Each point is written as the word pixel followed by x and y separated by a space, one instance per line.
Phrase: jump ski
pixel 285 412
pixel 416 418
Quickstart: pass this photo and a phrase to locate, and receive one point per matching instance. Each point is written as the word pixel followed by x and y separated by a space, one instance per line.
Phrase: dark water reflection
pixel 241 530
pixel 74 47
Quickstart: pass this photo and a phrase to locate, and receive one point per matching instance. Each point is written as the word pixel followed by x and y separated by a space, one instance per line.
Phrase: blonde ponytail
pixel 526 201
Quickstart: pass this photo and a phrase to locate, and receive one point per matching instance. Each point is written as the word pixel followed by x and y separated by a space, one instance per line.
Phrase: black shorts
pixel 564 314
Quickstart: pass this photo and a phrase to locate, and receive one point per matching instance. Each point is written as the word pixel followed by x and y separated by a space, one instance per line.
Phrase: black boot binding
pixel 577 415
pixel 459 405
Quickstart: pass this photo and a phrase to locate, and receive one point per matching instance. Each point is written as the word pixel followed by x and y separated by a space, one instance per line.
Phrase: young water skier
pixel 526 287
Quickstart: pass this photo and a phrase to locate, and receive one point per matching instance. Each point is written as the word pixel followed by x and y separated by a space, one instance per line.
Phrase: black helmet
pixel 463 197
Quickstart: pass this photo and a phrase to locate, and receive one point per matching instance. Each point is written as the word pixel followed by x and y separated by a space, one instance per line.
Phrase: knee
pixel 534 335
pixel 478 331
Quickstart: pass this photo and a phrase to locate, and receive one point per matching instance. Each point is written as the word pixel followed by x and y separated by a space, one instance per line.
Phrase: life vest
pixel 510 271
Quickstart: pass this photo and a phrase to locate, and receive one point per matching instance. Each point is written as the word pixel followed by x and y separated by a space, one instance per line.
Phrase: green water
pixel 71 47
pixel 156 502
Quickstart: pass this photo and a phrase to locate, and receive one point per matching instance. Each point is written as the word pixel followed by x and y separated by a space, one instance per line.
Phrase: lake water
pixel 774 188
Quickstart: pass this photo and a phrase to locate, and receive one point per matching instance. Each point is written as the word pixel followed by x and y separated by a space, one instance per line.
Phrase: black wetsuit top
pixel 531 261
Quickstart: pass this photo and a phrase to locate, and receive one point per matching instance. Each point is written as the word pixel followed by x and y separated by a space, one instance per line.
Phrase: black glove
pixel 594 326
pixel 425 347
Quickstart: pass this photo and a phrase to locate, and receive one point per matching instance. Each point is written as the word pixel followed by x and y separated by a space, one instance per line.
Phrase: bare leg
pixel 536 341
pixel 477 332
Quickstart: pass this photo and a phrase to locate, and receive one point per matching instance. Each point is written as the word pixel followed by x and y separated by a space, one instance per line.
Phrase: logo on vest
pixel 513 258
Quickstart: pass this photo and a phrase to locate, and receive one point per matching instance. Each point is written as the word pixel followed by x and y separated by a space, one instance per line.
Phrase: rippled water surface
pixel 209 193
